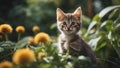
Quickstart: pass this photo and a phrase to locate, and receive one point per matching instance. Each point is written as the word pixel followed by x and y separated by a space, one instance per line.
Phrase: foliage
pixel 103 35
pixel 52 59
pixel 35 12
pixel 42 13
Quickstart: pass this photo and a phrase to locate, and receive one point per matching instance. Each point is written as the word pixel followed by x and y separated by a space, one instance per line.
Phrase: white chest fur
pixel 66 40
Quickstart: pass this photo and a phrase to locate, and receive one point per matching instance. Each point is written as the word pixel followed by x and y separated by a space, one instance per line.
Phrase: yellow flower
pixel 20 29
pixel 6 64
pixel 23 56
pixel 41 38
pixel 6 28
pixel 41 55
pixel 31 41
pixel 35 29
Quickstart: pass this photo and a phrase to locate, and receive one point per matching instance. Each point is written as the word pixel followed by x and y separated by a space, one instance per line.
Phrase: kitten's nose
pixel 68 27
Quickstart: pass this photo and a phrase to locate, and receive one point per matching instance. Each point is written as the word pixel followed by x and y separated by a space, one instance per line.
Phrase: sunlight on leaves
pixel 91 25
pixel 110 35
pixel 94 42
pixel 106 10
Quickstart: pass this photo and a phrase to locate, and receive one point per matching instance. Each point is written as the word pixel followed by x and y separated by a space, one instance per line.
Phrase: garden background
pixel 100 28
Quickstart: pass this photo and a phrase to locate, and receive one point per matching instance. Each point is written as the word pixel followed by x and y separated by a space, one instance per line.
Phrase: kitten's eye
pixel 64 23
pixel 73 23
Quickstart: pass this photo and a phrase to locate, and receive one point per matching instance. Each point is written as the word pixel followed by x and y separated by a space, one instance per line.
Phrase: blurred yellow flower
pixel 31 41
pixel 41 55
pixel 36 29
pixel 23 56
pixel 20 29
pixel 41 38
pixel 6 28
pixel 6 64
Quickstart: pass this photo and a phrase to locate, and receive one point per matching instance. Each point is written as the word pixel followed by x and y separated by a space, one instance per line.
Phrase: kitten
pixel 69 25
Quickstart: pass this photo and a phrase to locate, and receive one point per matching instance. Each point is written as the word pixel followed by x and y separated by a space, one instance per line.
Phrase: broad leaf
pixel 107 10
pixel 91 25
pixel 54 25
pixel 22 43
pixel 96 18
pixel 93 42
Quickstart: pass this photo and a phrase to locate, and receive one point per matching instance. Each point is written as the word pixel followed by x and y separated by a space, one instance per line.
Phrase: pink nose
pixel 68 26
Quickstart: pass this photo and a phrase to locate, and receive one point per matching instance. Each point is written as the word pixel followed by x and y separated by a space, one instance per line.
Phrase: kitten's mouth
pixel 68 30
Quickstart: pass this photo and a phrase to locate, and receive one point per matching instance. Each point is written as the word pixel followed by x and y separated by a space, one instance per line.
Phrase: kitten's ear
pixel 60 14
pixel 78 12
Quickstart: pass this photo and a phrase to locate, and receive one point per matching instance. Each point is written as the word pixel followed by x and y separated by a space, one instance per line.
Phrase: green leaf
pixel 107 10
pixel 117 26
pixel 91 25
pixel 94 42
pixel 86 19
pixel 38 49
pixel 116 47
pixel 110 35
pixel 22 43
pixel 109 25
pixel 7 45
pixel 103 24
pixel 114 14
pixel 117 20
pixel 43 65
pixel 101 46
pixel 54 25
pixel 96 18
pixel 117 29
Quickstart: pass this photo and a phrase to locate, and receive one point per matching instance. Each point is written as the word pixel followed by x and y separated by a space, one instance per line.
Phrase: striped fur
pixel 69 25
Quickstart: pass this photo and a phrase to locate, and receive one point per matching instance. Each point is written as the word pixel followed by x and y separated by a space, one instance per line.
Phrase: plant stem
pixel 19 36
pixel 6 37
pixel 35 33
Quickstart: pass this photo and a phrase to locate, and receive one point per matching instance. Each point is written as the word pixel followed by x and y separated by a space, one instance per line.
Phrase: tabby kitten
pixel 69 25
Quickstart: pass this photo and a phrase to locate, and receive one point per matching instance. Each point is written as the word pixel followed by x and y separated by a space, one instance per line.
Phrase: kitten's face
pixel 69 23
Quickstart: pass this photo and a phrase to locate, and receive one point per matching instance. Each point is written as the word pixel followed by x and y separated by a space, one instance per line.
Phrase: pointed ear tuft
pixel 78 12
pixel 60 14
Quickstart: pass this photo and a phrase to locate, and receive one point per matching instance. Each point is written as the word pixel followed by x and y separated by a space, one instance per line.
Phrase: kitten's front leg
pixel 60 45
